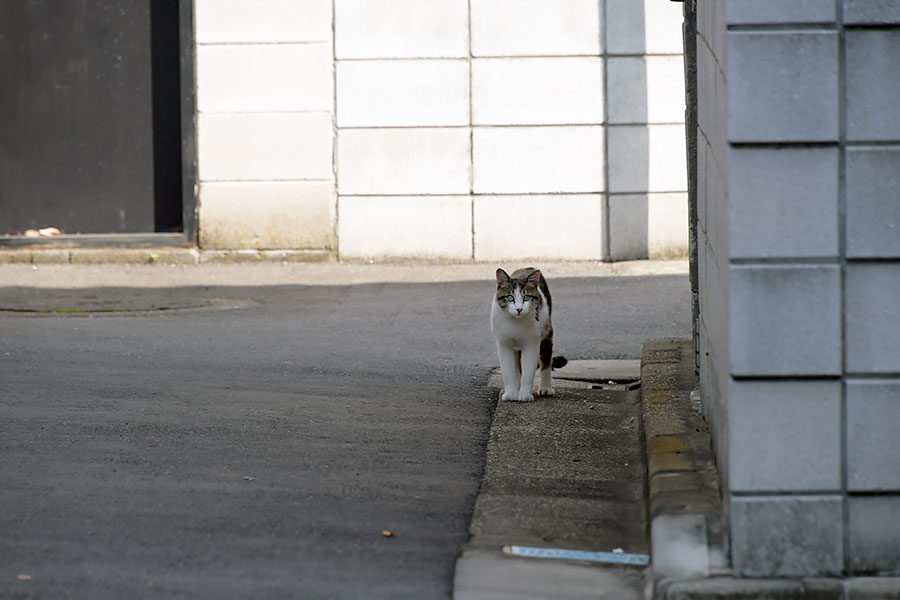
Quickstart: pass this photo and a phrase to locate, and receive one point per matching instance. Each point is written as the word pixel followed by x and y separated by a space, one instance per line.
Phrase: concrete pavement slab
pixel 565 472
pixel 482 575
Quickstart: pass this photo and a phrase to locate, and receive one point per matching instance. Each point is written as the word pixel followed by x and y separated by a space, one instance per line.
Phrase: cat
pixel 520 320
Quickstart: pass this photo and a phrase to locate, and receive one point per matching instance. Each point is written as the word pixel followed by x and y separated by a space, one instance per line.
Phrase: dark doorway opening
pixel 165 80
pixel 93 103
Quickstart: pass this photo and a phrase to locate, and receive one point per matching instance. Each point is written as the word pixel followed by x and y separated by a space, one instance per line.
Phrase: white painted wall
pixel 265 98
pixel 442 129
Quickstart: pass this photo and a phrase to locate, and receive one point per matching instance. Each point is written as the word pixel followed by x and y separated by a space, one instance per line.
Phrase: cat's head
pixel 518 295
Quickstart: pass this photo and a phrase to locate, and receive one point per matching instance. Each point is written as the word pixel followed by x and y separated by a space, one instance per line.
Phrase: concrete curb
pixel 163 255
pixel 684 500
pixel 138 254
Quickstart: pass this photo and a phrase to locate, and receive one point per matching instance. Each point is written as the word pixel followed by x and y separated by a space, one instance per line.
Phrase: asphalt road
pixel 260 446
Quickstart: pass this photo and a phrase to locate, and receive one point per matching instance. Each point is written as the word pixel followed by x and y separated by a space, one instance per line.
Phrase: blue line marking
pixel 600 557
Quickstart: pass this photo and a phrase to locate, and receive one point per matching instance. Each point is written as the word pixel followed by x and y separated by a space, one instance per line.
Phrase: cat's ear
pixel 502 277
pixel 534 278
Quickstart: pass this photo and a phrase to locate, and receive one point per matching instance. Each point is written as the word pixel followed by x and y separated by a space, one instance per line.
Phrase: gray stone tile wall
pixel 873 84
pixel 786 536
pixel 783 201
pixel 873 532
pixel 873 455
pixel 872 291
pixel 799 241
pixel 785 436
pixel 786 84
pixel 873 202
pixel 757 12
pixel 871 12
pixel 785 320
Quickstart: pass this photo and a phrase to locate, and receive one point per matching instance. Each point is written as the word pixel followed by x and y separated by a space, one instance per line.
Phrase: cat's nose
pixel 519 310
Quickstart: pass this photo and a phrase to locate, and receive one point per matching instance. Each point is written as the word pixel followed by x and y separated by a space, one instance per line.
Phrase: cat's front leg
pixel 529 366
pixel 509 366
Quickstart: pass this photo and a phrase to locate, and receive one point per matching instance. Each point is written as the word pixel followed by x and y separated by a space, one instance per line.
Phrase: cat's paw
pixel 545 391
pixel 510 395
pixel 524 396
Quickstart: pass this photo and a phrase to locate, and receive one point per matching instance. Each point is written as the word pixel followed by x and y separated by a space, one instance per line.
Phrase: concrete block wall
pixel 712 229
pixel 443 129
pixel 402 116
pixel 265 131
pixel 799 155
pixel 647 191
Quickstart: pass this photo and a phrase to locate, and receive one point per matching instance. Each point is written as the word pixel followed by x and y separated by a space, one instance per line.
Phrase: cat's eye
pixel 527 298
pixel 510 299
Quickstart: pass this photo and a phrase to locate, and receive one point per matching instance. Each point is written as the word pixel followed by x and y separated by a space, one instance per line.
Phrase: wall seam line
pixel 605 228
pixel 842 254
pixel 334 132
pixel 471 134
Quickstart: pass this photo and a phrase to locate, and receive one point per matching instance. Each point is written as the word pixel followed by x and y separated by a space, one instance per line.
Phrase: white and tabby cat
pixel 520 320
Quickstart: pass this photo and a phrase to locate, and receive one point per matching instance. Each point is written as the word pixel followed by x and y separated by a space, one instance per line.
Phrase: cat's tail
pixel 559 362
